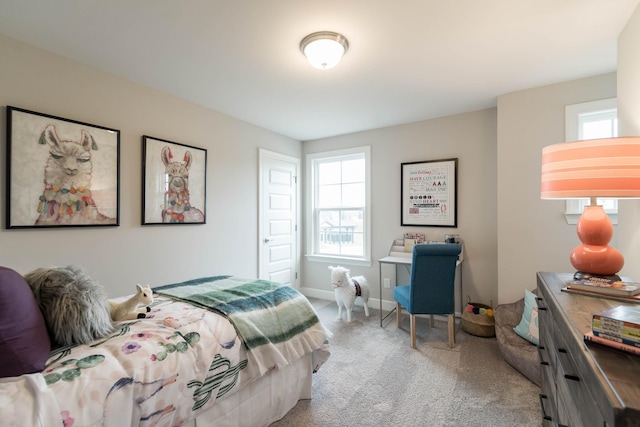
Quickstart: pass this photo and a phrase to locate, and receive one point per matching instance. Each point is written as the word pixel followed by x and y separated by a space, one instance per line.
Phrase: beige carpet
pixel 374 378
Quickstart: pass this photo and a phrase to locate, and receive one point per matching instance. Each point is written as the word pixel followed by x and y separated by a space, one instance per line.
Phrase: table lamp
pixel 608 167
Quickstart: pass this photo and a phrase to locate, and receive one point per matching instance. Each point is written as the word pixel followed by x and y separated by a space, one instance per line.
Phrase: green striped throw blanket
pixel 276 323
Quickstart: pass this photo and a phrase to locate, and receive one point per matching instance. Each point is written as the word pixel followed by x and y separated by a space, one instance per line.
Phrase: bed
pixel 221 351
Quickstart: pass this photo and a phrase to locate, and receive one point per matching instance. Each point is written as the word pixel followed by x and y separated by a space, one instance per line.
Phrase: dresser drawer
pixel 548 397
pixel 546 348
pixel 546 408
pixel 579 408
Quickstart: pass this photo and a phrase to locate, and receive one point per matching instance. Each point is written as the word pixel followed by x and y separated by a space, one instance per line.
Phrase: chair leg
pixel 399 314
pixel 413 331
pixel 452 331
pixel 432 322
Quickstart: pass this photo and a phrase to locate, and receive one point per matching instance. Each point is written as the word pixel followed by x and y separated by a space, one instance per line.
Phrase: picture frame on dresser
pixel 60 172
pixel 174 182
pixel 429 193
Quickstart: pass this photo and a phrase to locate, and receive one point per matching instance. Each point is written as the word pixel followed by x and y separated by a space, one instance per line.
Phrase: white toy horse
pixel 128 310
pixel 347 289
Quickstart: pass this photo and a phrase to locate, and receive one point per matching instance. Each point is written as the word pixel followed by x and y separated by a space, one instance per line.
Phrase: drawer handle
pixel 542 398
pixel 539 303
pixel 571 377
pixel 542 349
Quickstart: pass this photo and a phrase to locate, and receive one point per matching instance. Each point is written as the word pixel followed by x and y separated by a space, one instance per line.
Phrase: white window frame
pixel 575 116
pixel 312 229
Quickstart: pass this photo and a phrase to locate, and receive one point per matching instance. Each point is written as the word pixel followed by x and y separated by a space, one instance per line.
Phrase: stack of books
pixel 596 286
pixel 618 327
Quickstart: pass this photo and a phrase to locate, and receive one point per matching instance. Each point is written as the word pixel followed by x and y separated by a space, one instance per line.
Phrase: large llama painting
pixel 174 183
pixel 62 172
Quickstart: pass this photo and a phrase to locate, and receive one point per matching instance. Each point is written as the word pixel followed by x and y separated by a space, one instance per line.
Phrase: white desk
pixel 406 261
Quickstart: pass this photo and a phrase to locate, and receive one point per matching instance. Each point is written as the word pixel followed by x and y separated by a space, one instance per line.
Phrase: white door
pixel 278 217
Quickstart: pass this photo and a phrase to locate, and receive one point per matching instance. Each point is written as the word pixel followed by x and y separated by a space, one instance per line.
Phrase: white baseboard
pixel 330 296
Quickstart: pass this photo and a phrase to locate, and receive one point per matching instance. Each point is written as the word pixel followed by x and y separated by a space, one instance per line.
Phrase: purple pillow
pixel 24 341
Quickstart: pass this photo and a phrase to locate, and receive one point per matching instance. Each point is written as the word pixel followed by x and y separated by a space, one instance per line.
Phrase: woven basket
pixel 481 325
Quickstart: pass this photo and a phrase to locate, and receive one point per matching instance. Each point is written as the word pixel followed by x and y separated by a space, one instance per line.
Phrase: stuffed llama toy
pixel 128 309
pixel 347 288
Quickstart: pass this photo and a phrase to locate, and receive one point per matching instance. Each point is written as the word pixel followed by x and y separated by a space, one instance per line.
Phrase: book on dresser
pixel 621 323
pixel 590 336
pixel 605 286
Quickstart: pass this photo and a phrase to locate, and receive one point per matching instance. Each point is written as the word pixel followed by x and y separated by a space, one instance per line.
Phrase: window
pixel 338 206
pixel 591 120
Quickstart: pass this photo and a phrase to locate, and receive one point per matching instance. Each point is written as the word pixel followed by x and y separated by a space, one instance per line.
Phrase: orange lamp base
pixel 595 256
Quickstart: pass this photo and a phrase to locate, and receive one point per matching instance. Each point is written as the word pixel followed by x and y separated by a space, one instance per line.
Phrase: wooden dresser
pixel 583 384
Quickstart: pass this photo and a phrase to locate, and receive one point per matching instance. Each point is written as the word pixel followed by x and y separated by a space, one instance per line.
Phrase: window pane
pixel 338 214
pixel 598 129
pixel 601 123
pixel 329 196
pixel 351 225
pixel 353 171
pixel 353 195
pixel 329 173
pixel 341 232
pixel 608 204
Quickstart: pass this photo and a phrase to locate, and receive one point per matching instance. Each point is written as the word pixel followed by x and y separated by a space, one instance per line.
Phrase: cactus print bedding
pixel 163 370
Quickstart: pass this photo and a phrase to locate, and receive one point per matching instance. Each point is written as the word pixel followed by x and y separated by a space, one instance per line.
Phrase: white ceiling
pixel 408 60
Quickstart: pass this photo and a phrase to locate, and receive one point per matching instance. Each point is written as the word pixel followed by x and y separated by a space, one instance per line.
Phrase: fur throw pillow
pixel 74 306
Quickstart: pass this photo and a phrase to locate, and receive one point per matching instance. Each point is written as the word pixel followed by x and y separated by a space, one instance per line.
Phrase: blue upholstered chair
pixel 431 286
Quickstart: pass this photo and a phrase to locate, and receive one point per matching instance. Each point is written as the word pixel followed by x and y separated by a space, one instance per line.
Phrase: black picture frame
pixel 60 172
pixel 429 193
pixel 174 183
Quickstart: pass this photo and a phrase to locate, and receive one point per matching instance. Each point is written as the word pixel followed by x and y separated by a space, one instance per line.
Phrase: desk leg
pixel 380 284
pixel 461 297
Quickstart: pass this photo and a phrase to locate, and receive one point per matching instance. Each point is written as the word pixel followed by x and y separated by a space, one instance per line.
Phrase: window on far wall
pixel 591 120
pixel 338 206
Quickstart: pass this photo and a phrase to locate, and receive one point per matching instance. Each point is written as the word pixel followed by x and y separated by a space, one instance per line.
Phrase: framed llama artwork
pixel 174 182
pixel 60 172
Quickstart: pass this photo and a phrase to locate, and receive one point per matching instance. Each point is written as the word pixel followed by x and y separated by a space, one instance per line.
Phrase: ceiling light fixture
pixel 324 49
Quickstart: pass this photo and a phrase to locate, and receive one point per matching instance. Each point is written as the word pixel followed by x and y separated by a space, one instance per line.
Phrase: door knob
pixel 267 240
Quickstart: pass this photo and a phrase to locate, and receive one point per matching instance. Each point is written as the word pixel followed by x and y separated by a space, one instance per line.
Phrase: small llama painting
pixel 174 183
pixel 62 173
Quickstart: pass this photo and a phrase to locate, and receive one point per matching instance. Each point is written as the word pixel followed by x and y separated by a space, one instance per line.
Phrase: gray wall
pixel 629 116
pixel 533 234
pixel 123 256
pixel 471 138
pixel 508 231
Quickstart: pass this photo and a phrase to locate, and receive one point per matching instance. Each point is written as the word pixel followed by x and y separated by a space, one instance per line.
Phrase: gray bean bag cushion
pixel 517 351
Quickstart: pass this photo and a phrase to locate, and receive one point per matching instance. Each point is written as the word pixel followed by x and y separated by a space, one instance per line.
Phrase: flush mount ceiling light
pixel 324 49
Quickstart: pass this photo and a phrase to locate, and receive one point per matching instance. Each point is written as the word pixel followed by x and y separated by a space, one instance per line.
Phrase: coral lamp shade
pixel 593 168
pixel 607 167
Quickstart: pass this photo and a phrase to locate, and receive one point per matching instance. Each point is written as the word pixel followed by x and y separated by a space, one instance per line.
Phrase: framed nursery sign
pixel 429 193
pixel 60 172
pixel 174 182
